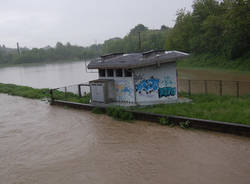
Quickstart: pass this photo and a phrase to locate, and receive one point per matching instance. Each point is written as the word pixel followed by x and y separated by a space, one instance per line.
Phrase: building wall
pixel 156 83
pixel 124 88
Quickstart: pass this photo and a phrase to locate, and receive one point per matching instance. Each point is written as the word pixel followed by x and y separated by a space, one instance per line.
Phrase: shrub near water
pixel 119 113
pixel 98 110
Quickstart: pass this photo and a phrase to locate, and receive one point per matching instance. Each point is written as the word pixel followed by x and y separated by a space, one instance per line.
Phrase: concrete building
pixel 137 78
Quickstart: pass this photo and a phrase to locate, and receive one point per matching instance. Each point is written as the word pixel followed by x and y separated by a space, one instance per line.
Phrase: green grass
pixel 210 61
pixel 24 91
pixel 211 107
pixel 33 93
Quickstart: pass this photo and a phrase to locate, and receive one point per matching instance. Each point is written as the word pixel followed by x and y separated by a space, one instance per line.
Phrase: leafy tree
pixel 215 27
pixel 138 28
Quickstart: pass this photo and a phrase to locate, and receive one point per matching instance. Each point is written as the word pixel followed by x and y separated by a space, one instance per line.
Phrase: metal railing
pixel 218 87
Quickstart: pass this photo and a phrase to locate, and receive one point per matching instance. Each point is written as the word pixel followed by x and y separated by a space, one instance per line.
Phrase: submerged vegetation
pixel 118 113
pixel 215 32
pixel 211 107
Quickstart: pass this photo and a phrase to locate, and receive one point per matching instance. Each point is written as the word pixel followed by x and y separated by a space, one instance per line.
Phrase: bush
pixel 164 121
pixel 110 111
pixel 98 110
pixel 119 113
pixel 185 124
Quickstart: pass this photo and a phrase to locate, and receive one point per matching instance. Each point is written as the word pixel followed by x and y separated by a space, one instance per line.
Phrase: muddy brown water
pixel 213 74
pixel 41 144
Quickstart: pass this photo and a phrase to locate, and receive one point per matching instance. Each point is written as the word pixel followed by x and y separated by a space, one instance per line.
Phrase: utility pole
pixel 139 46
pixel 18 49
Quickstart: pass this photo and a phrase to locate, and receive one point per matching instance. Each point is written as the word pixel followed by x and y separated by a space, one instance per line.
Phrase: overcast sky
pixel 37 23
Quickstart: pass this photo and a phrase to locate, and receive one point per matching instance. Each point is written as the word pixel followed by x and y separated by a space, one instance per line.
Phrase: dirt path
pixel 42 144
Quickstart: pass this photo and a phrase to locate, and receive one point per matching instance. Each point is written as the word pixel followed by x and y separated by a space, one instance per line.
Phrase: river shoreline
pixel 203 106
pixel 50 144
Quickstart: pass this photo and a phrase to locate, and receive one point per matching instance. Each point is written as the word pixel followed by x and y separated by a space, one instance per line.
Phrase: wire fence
pixel 81 92
pixel 77 89
pixel 218 87
pixel 75 93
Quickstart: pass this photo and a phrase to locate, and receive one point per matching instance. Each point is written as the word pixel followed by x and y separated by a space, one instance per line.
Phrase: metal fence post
pixel 205 85
pixel 189 87
pixel 65 92
pixel 79 90
pixel 238 89
pixel 220 87
pixel 51 96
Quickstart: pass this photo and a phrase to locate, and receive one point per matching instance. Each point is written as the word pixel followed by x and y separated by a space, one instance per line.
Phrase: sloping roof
pixel 136 60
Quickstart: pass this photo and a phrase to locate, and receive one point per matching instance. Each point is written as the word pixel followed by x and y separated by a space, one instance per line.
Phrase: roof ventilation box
pixel 152 53
pixel 109 56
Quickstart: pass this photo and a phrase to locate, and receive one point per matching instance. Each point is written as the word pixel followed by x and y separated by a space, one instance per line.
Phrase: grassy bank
pixel 33 93
pixel 211 107
pixel 216 62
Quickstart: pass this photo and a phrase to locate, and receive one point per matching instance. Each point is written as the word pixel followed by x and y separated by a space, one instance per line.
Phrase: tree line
pixel 219 28
pixel 216 27
pixel 151 39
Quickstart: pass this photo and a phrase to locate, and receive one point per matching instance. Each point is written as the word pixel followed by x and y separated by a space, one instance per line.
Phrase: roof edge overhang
pixel 156 61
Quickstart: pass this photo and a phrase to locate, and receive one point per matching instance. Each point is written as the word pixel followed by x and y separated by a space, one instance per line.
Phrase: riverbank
pixel 208 61
pixel 210 107
pixel 33 93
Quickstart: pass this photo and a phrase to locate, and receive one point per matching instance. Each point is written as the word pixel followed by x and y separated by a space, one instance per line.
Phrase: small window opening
pixel 110 73
pixel 119 73
pixel 101 72
pixel 128 73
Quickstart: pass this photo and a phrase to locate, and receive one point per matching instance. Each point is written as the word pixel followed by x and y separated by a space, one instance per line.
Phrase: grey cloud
pixel 44 22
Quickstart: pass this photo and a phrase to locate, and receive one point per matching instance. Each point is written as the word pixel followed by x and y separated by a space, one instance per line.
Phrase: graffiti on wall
pixel 138 76
pixel 147 86
pixel 166 92
pixel 124 92
pixel 168 81
pixel 168 88
pixel 151 87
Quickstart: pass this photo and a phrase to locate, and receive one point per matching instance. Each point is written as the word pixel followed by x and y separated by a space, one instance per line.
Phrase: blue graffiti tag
pixel 126 90
pixel 166 91
pixel 148 85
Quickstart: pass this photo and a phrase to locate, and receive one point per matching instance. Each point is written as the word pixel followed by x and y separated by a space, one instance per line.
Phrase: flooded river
pixel 41 144
pixel 63 74
pixel 47 75
pixel 210 74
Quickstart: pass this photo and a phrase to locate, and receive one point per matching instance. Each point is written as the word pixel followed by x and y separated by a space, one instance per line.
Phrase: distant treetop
pixel 138 28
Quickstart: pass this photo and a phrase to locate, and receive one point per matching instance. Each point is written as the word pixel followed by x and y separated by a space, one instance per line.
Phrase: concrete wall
pixel 152 84
pixel 156 83
pixel 124 88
